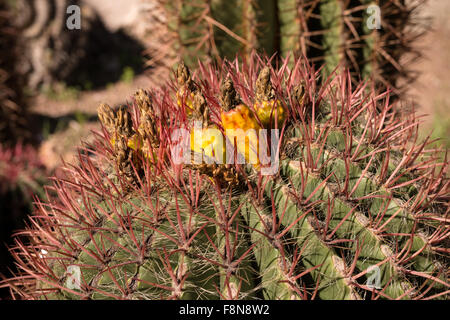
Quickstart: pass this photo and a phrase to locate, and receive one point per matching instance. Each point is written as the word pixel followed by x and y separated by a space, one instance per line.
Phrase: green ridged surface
pixel 345 201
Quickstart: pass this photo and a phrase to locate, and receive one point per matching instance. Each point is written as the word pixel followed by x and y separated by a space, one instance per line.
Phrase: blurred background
pixel 52 79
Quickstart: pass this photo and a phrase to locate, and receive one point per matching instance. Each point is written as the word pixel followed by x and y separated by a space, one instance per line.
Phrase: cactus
pixel 356 209
pixel 22 177
pixel 329 32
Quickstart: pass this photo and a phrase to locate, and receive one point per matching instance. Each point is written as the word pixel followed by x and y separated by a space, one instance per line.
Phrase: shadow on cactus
pixel 357 208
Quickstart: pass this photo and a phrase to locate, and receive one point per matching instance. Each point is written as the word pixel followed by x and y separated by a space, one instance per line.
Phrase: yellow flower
pixel 210 142
pixel 242 129
pixel 270 109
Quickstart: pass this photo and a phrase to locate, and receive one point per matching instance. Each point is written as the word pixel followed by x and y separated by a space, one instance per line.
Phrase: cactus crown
pixel 355 208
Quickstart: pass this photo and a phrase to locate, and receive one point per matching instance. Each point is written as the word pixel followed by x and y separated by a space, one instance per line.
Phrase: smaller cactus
pixel 330 33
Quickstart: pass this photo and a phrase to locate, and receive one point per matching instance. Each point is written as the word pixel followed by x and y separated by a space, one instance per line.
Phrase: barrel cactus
pixel 373 38
pixel 343 202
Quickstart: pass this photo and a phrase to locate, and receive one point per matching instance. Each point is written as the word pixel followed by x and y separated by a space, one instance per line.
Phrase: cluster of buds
pixel 120 127
pixel 234 136
pixel 129 144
